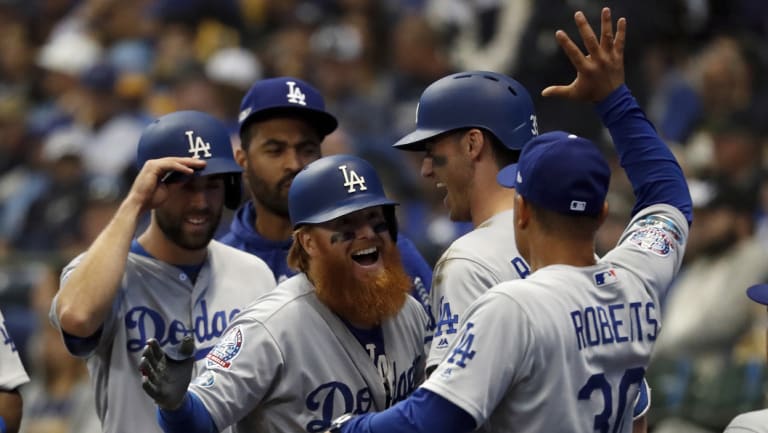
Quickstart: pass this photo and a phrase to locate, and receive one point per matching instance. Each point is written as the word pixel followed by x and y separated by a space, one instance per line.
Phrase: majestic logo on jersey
pixel 447 320
pixel 352 180
pixel 149 323
pixel 332 399
pixel 244 114
pixel 197 145
pixel 605 277
pixel 226 350
pixel 295 96
pixel 463 352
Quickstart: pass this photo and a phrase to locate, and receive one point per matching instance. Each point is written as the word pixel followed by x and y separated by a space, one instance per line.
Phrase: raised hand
pixel 599 72
pixel 165 379
pixel 148 187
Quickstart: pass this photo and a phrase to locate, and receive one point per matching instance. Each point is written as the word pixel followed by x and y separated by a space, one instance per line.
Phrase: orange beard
pixel 363 302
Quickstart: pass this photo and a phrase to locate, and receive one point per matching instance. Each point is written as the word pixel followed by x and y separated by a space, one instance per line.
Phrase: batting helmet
pixel 476 99
pixel 285 96
pixel 193 134
pixel 335 186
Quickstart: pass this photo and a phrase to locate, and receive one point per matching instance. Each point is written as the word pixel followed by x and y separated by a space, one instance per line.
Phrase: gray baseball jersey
pixel 288 364
pixel 158 300
pixel 12 373
pixel 473 263
pixel 567 346
pixel 750 422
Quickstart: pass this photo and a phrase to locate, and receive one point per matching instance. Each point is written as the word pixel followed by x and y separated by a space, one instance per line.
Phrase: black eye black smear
pixel 342 237
pixel 439 161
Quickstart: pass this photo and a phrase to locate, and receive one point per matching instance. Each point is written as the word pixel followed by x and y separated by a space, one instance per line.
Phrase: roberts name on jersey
pixel 615 323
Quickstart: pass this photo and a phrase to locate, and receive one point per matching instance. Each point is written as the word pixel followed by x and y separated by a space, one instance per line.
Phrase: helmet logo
pixel 351 179
pixel 197 145
pixel 295 96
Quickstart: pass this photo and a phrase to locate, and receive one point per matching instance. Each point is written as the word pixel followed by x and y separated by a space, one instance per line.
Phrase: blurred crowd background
pixel 79 80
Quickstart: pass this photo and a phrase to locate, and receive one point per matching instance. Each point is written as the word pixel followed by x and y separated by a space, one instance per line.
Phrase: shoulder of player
pixel 225 255
pixel 756 421
pixel 286 303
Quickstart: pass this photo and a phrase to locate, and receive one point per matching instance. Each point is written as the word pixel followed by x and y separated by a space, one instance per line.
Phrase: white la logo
pixel 198 145
pixel 294 94
pixel 351 179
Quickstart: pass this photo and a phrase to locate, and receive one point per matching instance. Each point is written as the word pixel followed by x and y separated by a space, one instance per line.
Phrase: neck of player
pixel 490 199
pixel 270 225
pixel 160 247
pixel 548 249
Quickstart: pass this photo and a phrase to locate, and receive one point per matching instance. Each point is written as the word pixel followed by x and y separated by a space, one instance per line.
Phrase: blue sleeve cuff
pixel 82 346
pixel 3 427
pixel 190 417
pixel 423 412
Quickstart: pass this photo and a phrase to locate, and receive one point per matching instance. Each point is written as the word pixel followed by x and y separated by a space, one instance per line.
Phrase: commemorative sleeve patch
pixel 657 234
pixel 226 350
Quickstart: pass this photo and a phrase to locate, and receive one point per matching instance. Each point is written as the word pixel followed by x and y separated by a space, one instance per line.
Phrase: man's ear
pixel 522 212
pixel 475 142
pixel 306 239
pixel 241 157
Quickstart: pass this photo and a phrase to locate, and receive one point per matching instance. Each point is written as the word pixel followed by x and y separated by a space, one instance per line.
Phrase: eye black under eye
pixel 381 227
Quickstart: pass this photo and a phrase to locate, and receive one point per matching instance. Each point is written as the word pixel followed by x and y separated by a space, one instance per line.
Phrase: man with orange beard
pixel 341 336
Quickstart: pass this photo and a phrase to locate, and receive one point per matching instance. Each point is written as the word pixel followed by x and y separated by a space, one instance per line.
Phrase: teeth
pixel 196 220
pixel 440 185
pixel 365 251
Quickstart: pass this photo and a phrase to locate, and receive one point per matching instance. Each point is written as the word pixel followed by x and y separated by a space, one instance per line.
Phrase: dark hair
pixel 582 227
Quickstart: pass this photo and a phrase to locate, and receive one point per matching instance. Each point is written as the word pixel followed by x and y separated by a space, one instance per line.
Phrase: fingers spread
pixel 621 35
pixel 606 30
pixel 571 49
pixel 587 35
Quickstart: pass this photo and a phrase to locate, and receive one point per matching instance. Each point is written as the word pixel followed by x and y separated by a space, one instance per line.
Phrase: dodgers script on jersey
pixel 12 373
pixel 473 264
pixel 157 300
pixel 565 349
pixel 288 364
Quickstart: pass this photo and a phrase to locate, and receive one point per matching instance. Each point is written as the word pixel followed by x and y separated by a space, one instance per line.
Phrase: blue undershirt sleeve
pixel 190 417
pixel 423 412
pixel 655 175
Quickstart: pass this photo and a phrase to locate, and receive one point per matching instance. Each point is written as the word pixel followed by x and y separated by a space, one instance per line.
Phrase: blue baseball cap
pixel 758 293
pixel 561 172
pixel 286 96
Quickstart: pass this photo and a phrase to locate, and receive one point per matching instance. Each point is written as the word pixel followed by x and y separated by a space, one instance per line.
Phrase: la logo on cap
pixel 197 145
pixel 295 96
pixel 352 179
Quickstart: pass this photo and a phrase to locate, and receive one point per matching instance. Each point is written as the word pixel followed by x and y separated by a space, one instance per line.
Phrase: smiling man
pixel 340 336
pixel 170 283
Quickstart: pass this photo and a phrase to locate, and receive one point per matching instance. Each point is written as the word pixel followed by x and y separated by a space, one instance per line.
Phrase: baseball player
pixel 12 376
pixel 756 421
pixel 565 348
pixel 342 335
pixel 172 282
pixel 282 123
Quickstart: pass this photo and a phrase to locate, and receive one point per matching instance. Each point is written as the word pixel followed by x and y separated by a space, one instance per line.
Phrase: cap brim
pixel 507 176
pixel 323 122
pixel 758 293
pixel 415 140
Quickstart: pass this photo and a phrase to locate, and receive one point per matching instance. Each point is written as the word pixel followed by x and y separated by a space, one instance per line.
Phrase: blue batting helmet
pixel 286 96
pixel 476 99
pixel 197 135
pixel 335 186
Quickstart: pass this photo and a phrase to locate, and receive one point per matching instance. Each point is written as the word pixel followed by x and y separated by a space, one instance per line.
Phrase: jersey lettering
pixel 143 323
pixel 197 145
pixel 295 95
pixel 632 376
pixel 351 179
pixel 464 348
pixel 324 398
pixel 521 267
pixel 614 324
pixel 446 319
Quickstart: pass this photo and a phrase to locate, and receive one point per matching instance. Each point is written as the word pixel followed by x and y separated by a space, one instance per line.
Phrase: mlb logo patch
pixel 222 355
pixel 605 277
